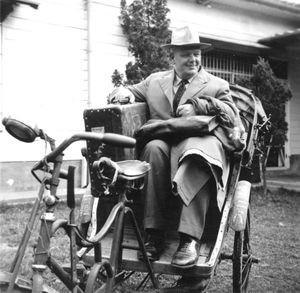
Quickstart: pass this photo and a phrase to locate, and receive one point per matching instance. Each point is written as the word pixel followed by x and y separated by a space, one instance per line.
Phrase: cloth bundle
pixel 176 128
pixel 228 130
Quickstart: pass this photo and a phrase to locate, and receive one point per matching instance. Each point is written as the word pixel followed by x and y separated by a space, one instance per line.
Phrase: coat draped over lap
pixel 209 95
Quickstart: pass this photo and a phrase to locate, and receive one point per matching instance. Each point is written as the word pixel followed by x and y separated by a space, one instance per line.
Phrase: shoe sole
pixel 186 266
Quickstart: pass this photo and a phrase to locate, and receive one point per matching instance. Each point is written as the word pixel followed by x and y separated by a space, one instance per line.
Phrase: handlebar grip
pixel 70 187
pixel 118 140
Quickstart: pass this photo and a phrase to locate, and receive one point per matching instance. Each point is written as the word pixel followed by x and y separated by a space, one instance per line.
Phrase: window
pixel 228 66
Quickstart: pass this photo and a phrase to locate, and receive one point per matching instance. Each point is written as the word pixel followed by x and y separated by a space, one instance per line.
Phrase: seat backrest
pixel 248 104
pixel 252 114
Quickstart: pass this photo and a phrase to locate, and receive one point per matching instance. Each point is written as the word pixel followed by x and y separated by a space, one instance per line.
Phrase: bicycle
pixel 126 173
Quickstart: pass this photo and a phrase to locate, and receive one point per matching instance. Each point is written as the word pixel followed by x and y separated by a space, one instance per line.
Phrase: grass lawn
pixel 275 239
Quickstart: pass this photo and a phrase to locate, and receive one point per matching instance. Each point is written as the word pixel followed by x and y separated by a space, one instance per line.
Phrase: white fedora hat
pixel 185 37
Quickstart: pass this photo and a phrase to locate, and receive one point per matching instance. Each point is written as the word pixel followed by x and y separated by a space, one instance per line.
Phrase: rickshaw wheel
pixel 242 259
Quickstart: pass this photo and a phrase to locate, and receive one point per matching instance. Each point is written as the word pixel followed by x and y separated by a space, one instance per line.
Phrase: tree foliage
pixel 146 26
pixel 274 93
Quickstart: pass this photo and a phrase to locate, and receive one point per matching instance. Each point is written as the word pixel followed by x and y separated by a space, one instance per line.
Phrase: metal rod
pixel 23 244
pixel 142 247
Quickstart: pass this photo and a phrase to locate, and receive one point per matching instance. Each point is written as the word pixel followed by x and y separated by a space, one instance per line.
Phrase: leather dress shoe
pixel 187 253
pixel 154 245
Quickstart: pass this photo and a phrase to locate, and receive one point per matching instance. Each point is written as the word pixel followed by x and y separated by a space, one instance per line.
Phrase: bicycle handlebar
pixel 109 138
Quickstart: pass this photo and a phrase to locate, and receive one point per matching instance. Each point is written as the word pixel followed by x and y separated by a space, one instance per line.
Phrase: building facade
pixel 58 59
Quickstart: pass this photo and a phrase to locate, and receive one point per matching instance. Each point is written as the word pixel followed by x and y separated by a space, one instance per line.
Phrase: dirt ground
pixel 275 240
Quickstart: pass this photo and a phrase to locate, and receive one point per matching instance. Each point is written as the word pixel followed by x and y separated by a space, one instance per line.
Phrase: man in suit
pixel 195 168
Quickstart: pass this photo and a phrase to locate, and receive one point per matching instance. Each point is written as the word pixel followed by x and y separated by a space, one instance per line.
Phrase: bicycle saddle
pixel 128 169
pixel 133 168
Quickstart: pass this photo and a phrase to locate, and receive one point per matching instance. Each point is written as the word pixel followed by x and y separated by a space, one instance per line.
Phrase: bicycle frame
pixel 48 227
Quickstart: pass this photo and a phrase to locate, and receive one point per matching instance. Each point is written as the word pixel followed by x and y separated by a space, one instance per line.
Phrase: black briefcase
pixel 121 119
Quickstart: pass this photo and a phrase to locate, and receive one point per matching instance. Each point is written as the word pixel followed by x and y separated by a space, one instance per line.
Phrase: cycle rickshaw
pixel 108 256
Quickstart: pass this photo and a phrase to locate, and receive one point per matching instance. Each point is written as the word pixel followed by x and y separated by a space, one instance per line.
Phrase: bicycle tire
pixel 242 259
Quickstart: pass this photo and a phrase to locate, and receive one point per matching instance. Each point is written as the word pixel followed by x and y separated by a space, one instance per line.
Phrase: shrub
pixel 273 93
pixel 146 26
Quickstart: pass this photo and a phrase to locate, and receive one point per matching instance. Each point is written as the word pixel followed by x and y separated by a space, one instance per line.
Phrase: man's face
pixel 187 62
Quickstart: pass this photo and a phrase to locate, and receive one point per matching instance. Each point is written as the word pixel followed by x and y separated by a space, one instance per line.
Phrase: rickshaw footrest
pixel 224 256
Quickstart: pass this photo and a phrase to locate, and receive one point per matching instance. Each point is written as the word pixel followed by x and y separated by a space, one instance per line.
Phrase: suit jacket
pixel 157 92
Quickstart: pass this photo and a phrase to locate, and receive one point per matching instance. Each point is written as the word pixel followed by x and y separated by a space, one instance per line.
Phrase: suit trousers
pixel 158 192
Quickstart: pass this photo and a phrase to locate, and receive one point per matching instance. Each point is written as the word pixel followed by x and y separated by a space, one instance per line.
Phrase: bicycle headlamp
pixel 19 130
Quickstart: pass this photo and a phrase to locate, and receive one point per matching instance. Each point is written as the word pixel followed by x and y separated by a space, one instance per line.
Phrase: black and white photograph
pixel 150 146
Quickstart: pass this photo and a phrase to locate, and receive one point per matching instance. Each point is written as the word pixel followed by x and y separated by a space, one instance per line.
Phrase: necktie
pixel 179 94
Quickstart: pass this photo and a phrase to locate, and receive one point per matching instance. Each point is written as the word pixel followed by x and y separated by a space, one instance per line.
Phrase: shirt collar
pixel 177 80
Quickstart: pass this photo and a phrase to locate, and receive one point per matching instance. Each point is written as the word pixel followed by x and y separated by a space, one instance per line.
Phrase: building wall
pixel 231 21
pixel 44 79
pixel 294 110
pixel 108 48
pixel 16 176
pixel 44 72
pixel 1 74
